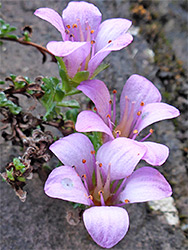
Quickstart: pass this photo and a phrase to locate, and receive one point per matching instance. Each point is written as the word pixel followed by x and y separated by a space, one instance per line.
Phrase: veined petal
pixel 74 53
pixel 145 184
pixel 85 13
pixel 52 17
pixel 120 43
pixel 154 112
pixel 122 154
pixel 88 121
pixel 64 183
pixel 110 30
pixel 139 89
pixel 97 91
pixel 72 149
pixel 106 225
pixel 156 153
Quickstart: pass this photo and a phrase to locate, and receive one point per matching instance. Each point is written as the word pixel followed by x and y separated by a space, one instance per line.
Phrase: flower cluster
pixel 106 180
pixel 86 41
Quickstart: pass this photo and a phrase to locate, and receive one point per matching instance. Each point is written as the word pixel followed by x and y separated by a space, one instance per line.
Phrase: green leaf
pixel 72 114
pixel 70 104
pixel 13 77
pixel 61 63
pixel 12 36
pixel 2 82
pixel 65 80
pixel 100 68
pixel 5 29
pixel 21 178
pixel 59 95
pixel 96 139
pixel 18 164
pixel 73 92
pixel 81 76
pixel 26 36
pixel 78 205
pixel 10 174
pixel 4 102
pixel 51 112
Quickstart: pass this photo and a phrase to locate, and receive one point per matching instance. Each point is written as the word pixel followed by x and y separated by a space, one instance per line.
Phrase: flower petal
pixel 85 13
pixel 154 112
pixel 110 30
pixel 123 154
pixel 52 17
pixel 72 149
pixel 156 153
pixel 145 184
pixel 120 43
pixel 97 91
pixel 74 53
pixel 88 121
pixel 139 89
pixel 64 183
pixel 106 225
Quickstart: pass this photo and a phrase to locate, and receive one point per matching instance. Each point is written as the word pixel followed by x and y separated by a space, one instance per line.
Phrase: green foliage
pixel 19 84
pixel 4 102
pixel 96 139
pixel 53 95
pixel 80 77
pixel 21 178
pixel 10 174
pixel 72 114
pixel 26 36
pixel 100 68
pixel 78 205
pixel 6 29
pixel 69 84
pixel 18 165
pixel 70 104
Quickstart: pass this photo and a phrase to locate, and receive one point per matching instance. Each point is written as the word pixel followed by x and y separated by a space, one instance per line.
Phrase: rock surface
pixel 45 223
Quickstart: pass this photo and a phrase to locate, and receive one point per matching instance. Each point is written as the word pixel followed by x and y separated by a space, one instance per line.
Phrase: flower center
pixel 100 190
pixel 129 121
pixel 77 33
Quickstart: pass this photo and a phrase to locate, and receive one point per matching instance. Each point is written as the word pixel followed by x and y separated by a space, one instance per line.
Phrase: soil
pixel 159 52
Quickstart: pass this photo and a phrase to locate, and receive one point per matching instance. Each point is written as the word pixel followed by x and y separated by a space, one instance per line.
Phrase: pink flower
pixel 104 184
pixel 140 106
pixel 86 41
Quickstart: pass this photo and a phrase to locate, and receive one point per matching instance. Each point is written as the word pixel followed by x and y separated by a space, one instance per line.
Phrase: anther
pixel 74 25
pixel 90 197
pixel 151 131
pixel 110 101
pixel 135 131
pixel 92 31
pixel 118 132
pixel 139 113
pixel 68 26
pixel 100 192
pixel 108 116
pixel 67 31
pixel 127 201
pixel 109 41
pixel 114 91
pixel 100 165
pixel 95 109
pixel 83 161
pixel 84 176
pixel 93 152
pixel 74 167
pixel 92 41
pixel 142 104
